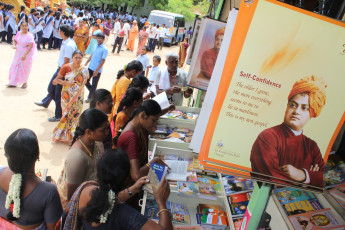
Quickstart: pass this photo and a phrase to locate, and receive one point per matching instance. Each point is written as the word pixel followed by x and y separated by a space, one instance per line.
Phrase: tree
pixel 181 7
pixel 159 4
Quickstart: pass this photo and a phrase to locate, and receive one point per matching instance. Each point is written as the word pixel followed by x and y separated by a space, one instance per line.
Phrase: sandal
pixel 11 86
pixel 24 86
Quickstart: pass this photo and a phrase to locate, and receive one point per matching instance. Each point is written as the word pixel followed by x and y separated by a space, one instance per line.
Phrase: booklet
pixel 178 170
pixel 186 189
pixel 156 174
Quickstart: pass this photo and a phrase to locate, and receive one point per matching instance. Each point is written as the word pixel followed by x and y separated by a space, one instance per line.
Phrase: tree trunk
pixel 133 9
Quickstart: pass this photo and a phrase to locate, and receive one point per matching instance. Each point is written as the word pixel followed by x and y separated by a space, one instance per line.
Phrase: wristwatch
pixel 129 192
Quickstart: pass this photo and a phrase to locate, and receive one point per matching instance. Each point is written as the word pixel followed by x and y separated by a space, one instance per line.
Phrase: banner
pixel 205 53
pixel 278 108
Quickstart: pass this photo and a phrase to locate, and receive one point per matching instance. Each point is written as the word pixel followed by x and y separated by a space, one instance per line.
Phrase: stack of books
pixel 177 114
pixel 238 204
pixel 211 216
pixel 305 211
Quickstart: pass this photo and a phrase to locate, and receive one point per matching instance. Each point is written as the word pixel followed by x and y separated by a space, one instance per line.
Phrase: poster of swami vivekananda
pixel 280 104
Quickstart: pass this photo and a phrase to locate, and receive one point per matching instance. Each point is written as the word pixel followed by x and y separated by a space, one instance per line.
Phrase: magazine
pixel 303 206
pixel 155 176
pixel 287 195
pixel 186 189
pixel 207 191
pixel 316 220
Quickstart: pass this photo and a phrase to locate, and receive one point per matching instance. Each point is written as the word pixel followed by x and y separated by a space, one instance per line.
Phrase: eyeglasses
pixel 108 102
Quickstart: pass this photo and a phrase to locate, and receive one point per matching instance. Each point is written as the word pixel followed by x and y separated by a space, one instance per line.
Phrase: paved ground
pixel 17 109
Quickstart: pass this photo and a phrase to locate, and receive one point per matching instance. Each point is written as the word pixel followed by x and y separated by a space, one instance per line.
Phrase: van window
pixel 179 22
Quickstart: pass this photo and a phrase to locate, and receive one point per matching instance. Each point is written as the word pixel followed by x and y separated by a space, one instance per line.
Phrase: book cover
pixel 286 195
pixel 339 194
pixel 238 209
pixel 156 174
pixel 201 207
pixel 186 189
pixel 213 217
pixel 210 180
pixel 207 191
pixel 239 197
pixel 192 177
pixel 235 185
pixel 303 206
pixel 151 213
pixel 316 220
pixel 333 177
pixel 179 213
pixel 237 223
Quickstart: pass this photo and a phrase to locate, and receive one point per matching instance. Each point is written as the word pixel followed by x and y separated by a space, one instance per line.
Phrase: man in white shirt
pixel 127 28
pixel 67 49
pixel 162 33
pixel 173 81
pixel 152 36
pixel 117 27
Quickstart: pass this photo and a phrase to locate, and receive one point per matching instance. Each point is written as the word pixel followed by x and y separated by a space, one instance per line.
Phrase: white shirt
pixel 117 27
pixel 152 32
pixel 162 32
pixel 127 27
pixel 67 49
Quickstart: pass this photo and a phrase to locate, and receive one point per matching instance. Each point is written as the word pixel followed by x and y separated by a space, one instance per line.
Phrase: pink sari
pixel 20 70
pixel 143 35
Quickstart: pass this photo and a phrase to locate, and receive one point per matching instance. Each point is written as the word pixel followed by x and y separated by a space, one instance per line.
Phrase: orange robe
pixel 132 35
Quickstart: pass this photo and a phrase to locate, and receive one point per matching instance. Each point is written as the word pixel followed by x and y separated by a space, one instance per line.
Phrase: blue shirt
pixel 144 60
pixel 67 49
pixel 152 76
pixel 100 53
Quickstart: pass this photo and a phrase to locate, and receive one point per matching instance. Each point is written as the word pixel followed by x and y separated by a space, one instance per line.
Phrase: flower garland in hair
pixel 13 195
pixel 125 67
pixel 111 198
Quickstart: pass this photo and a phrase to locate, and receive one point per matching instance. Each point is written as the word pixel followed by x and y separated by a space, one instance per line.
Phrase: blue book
pixel 156 174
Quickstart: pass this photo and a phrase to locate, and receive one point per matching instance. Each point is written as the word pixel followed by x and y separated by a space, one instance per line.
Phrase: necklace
pixel 87 149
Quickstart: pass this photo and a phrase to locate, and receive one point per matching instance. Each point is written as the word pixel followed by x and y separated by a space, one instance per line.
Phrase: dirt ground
pixel 17 108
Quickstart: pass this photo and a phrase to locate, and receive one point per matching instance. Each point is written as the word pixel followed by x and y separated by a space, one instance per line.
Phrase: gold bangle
pixel 162 211
pixel 148 165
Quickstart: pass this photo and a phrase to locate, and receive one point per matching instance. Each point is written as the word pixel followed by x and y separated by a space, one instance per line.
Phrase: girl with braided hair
pixel 25 200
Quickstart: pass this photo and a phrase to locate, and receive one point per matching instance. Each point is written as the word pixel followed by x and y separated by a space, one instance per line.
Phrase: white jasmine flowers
pixel 14 194
pixel 111 198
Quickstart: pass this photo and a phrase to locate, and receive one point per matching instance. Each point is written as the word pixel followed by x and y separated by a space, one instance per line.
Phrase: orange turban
pixel 220 32
pixel 315 88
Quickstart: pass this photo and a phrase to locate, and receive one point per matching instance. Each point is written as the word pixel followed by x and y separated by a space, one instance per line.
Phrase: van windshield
pixel 161 19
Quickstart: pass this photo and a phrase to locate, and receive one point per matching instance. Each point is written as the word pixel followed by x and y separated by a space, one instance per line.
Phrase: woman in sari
pixel 99 21
pixel 183 52
pixel 122 82
pixel 93 41
pixel 143 35
pixel 72 96
pixel 80 35
pixel 24 43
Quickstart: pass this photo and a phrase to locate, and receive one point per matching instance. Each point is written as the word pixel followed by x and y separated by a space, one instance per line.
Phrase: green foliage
pixel 184 7
pixel 201 7
pixel 159 4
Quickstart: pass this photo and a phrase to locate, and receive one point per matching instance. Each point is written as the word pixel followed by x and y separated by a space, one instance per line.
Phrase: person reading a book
pixel 100 204
pixel 173 81
pixel 134 141
pixel 26 202
pixel 283 151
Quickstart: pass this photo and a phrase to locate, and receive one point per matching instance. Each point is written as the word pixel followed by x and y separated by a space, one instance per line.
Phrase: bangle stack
pixel 148 165
pixel 162 210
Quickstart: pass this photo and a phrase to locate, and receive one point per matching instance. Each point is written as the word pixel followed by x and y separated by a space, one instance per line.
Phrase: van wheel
pixel 173 41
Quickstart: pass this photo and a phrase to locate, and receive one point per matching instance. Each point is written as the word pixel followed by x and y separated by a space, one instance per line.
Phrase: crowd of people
pixel 107 164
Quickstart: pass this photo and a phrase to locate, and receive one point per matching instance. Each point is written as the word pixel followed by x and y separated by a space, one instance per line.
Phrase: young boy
pixel 96 60
pixel 144 60
pixel 156 61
